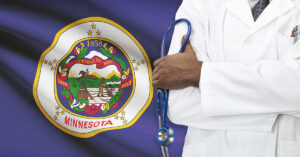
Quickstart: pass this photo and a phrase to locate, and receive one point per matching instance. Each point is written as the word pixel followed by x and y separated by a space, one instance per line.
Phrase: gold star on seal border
pixel 93 26
pixel 98 32
pixel 89 33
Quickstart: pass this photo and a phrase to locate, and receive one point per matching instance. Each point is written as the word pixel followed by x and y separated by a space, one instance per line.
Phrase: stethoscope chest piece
pixel 165 136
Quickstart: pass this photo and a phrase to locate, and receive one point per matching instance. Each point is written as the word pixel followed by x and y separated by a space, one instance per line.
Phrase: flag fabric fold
pixel 27 29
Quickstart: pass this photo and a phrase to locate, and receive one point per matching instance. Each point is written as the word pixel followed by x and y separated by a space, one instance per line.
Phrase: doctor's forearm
pixel 177 71
pixel 263 87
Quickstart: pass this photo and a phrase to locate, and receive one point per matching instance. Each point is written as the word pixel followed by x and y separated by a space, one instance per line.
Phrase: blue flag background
pixel 27 28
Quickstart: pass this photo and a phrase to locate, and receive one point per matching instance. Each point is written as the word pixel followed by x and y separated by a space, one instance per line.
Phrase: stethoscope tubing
pixel 163 94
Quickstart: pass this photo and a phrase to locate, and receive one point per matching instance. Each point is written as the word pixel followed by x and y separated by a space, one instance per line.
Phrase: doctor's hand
pixel 177 71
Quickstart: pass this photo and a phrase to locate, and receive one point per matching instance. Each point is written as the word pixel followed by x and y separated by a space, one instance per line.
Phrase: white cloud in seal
pixel 96 54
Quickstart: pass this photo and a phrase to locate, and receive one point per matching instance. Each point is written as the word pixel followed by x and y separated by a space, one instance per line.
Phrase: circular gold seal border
pixel 70 51
pixel 36 80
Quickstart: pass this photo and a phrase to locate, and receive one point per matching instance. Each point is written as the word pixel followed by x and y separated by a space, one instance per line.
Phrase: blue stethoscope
pixel 166 135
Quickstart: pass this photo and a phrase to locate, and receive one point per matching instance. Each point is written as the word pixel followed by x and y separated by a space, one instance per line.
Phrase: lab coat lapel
pixel 241 9
pixel 274 10
pixel 216 31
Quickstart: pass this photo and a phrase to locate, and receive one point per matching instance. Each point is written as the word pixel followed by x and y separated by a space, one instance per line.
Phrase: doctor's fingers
pixel 182 39
pixel 157 72
pixel 158 76
pixel 155 79
pixel 155 84
pixel 162 63
pixel 158 80
pixel 157 62
pixel 188 47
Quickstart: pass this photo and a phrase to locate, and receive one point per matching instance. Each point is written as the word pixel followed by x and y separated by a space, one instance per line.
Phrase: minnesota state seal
pixel 94 77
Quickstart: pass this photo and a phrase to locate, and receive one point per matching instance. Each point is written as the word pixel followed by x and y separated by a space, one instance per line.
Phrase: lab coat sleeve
pixel 185 105
pixel 260 88
pixel 195 12
pixel 184 101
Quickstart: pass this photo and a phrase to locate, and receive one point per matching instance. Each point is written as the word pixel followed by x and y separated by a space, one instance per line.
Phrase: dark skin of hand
pixel 177 71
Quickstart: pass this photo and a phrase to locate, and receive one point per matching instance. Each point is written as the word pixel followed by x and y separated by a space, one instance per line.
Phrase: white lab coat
pixel 249 94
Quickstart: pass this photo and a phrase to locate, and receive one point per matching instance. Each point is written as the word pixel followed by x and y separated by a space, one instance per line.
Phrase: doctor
pixel 237 84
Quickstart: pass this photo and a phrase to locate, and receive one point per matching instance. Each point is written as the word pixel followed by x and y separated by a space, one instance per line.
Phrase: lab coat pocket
pixel 284 43
pixel 289 149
